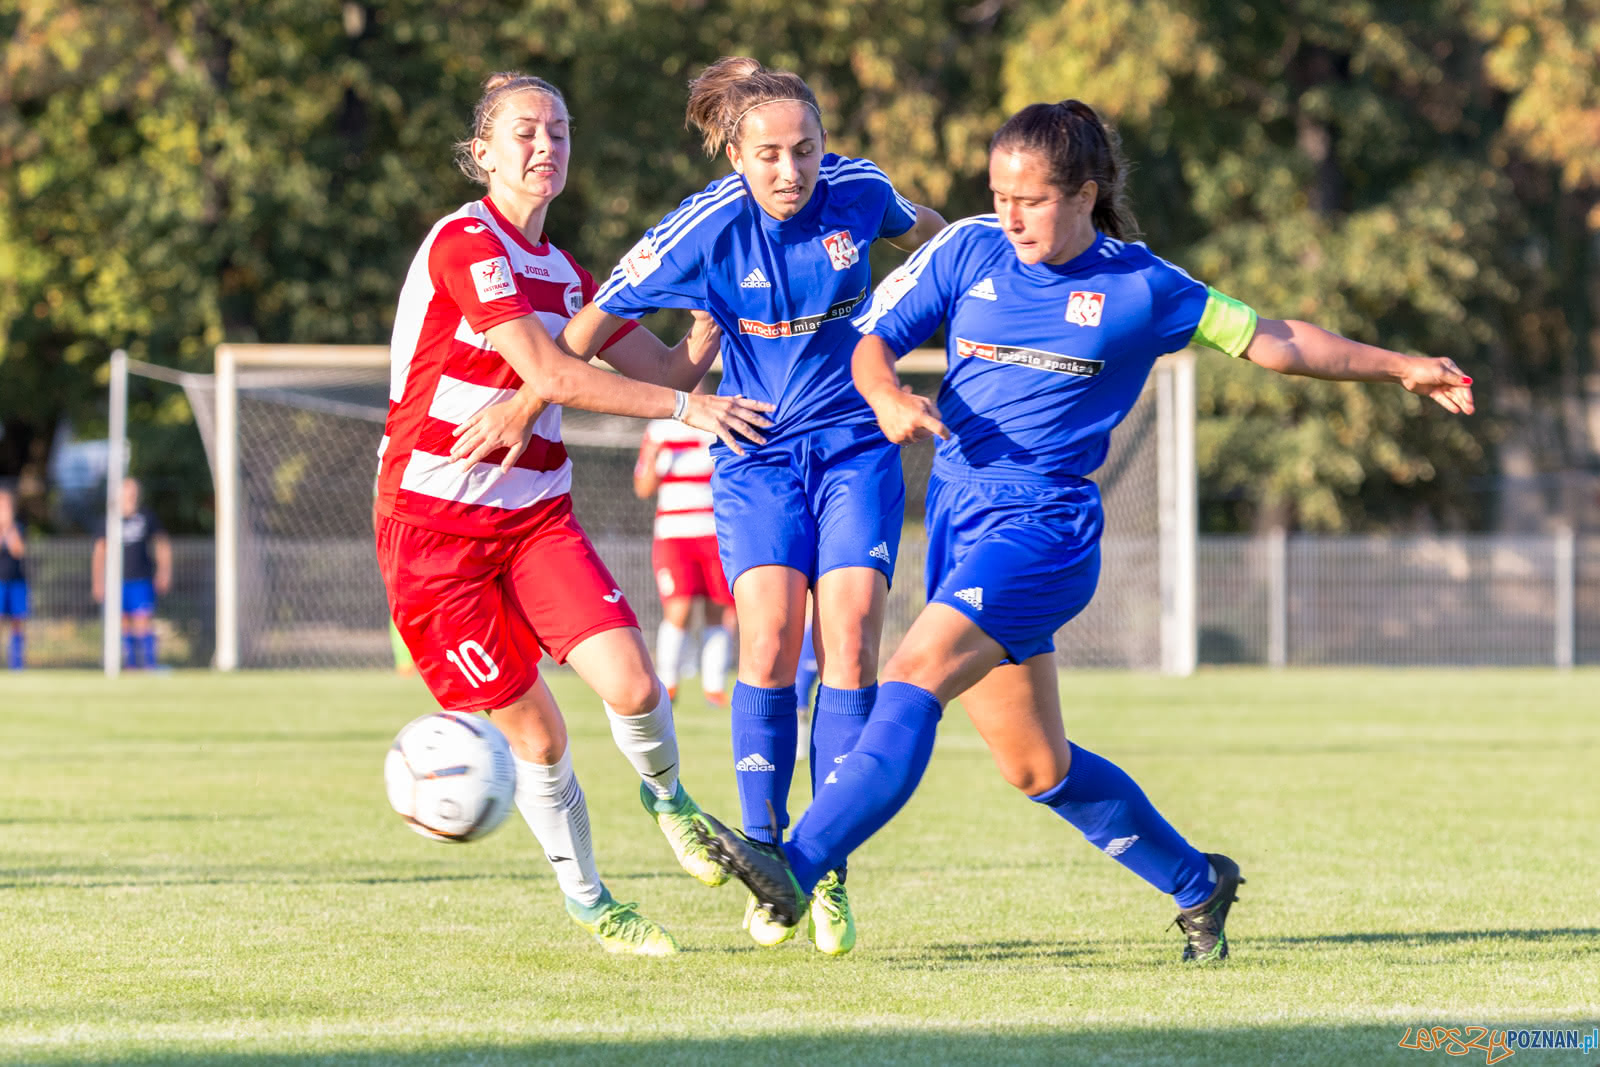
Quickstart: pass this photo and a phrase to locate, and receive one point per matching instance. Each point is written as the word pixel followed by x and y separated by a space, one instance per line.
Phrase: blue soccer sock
pixel 130 651
pixel 765 726
pixel 147 646
pixel 836 727
pixel 14 651
pixel 1112 811
pixel 859 796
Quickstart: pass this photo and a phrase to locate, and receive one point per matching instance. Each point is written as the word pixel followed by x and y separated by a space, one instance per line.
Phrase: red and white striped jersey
pixel 683 460
pixel 474 271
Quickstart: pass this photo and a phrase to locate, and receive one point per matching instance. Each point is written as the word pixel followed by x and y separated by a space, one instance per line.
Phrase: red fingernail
pixel 1465 380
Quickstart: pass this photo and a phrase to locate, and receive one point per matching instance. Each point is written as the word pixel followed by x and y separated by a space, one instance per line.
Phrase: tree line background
pixel 176 173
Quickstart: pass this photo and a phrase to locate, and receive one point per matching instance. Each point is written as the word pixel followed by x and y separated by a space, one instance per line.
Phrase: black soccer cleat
pixel 1203 924
pixel 762 868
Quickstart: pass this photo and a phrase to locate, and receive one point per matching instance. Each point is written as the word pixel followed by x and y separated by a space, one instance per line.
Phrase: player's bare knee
pixel 851 663
pixel 763 661
pixel 915 667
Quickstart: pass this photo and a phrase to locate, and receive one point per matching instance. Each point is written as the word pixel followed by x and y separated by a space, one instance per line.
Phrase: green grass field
pixel 203 869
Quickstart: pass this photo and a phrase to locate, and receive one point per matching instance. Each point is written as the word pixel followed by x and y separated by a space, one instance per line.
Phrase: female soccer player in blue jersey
pixel 1053 320
pixel 776 252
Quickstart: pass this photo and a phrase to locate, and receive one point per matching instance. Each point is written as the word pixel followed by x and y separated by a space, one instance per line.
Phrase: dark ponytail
pixel 1079 148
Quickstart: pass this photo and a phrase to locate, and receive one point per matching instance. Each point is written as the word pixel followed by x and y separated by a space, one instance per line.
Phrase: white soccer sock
pixel 550 798
pixel 669 650
pixel 715 648
pixel 650 744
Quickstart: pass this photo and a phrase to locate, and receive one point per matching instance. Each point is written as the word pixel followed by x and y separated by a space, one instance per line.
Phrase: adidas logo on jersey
pixel 881 551
pixel 755 280
pixel 1119 845
pixel 754 762
pixel 971 597
pixel 984 290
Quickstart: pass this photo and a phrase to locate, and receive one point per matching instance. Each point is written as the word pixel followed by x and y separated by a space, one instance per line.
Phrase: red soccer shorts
pixel 477 612
pixel 690 566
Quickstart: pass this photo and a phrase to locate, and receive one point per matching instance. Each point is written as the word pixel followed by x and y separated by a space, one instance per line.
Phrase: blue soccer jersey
pixel 1043 360
pixel 783 291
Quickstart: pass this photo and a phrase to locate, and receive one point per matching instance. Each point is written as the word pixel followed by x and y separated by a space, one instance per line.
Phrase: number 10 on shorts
pixel 473 662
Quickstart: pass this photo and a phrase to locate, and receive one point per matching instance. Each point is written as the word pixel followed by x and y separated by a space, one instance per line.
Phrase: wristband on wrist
pixel 680 406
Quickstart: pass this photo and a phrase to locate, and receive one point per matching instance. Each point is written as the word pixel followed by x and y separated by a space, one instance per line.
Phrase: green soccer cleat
pixel 1203 925
pixel 832 926
pixel 762 868
pixel 763 931
pixel 620 928
pixel 677 817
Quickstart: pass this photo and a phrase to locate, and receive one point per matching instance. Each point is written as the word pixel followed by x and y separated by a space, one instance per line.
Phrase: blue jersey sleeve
pixel 1177 303
pixel 913 301
pixel 892 213
pixel 665 269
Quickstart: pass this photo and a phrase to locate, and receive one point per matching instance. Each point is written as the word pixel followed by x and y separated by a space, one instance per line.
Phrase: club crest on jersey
pixel 492 279
pixel 573 295
pixel 842 252
pixel 641 261
pixel 1083 309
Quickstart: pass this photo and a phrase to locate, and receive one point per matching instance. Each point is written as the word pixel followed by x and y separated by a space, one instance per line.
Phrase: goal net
pixel 293 433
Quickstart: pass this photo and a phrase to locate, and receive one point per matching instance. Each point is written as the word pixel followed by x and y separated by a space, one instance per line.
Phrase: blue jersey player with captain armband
pixel 1053 320
pixel 776 252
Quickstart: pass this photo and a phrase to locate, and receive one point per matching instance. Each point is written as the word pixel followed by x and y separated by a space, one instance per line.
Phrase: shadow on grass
pixel 1430 937
pixel 1285 1045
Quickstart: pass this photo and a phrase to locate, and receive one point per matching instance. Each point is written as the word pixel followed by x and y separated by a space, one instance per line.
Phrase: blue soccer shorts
pixel 14 599
pixel 1018 559
pixel 815 502
pixel 138 597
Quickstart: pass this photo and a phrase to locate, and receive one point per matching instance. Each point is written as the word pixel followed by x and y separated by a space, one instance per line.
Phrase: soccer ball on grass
pixel 450 776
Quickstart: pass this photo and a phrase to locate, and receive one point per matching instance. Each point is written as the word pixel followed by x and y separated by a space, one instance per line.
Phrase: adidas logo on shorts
pixel 984 290
pixel 755 280
pixel 1119 845
pixel 881 551
pixel 971 597
pixel 754 762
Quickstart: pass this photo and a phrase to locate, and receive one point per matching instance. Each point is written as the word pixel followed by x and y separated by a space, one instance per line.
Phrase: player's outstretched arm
pixel 902 414
pixel 929 222
pixel 1293 347
pixel 552 376
pixel 642 355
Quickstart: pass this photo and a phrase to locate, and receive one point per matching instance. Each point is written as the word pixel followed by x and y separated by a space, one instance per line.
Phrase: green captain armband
pixel 1226 325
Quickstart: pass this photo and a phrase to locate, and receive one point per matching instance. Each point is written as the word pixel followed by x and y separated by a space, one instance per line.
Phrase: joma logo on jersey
pixel 492 279
pixel 1083 309
pixel 842 251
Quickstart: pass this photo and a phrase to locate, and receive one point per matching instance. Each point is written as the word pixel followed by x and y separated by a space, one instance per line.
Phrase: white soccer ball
pixel 450 776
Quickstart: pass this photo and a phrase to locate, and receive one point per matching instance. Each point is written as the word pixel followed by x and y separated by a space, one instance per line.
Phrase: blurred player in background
pixel 1053 319
pixel 777 253
pixel 485 565
pixel 13 580
pixel 146 575
pixel 675 465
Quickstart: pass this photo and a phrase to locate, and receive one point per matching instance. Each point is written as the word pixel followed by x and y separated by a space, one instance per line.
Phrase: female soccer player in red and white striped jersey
pixel 485 565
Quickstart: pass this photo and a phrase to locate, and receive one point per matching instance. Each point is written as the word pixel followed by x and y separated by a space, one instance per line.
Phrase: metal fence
pixel 1470 600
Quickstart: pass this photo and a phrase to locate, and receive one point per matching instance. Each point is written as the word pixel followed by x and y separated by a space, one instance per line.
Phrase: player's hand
pixel 727 416
pixel 905 417
pixel 1442 380
pixel 506 425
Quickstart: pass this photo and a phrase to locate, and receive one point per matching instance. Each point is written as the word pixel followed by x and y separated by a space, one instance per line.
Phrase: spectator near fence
pixel 146 575
pixel 13 580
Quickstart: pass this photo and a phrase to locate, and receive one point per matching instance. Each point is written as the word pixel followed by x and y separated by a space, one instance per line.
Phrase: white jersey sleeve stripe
pixel 905 279
pixel 680 215
pixel 483 485
pixel 619 278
